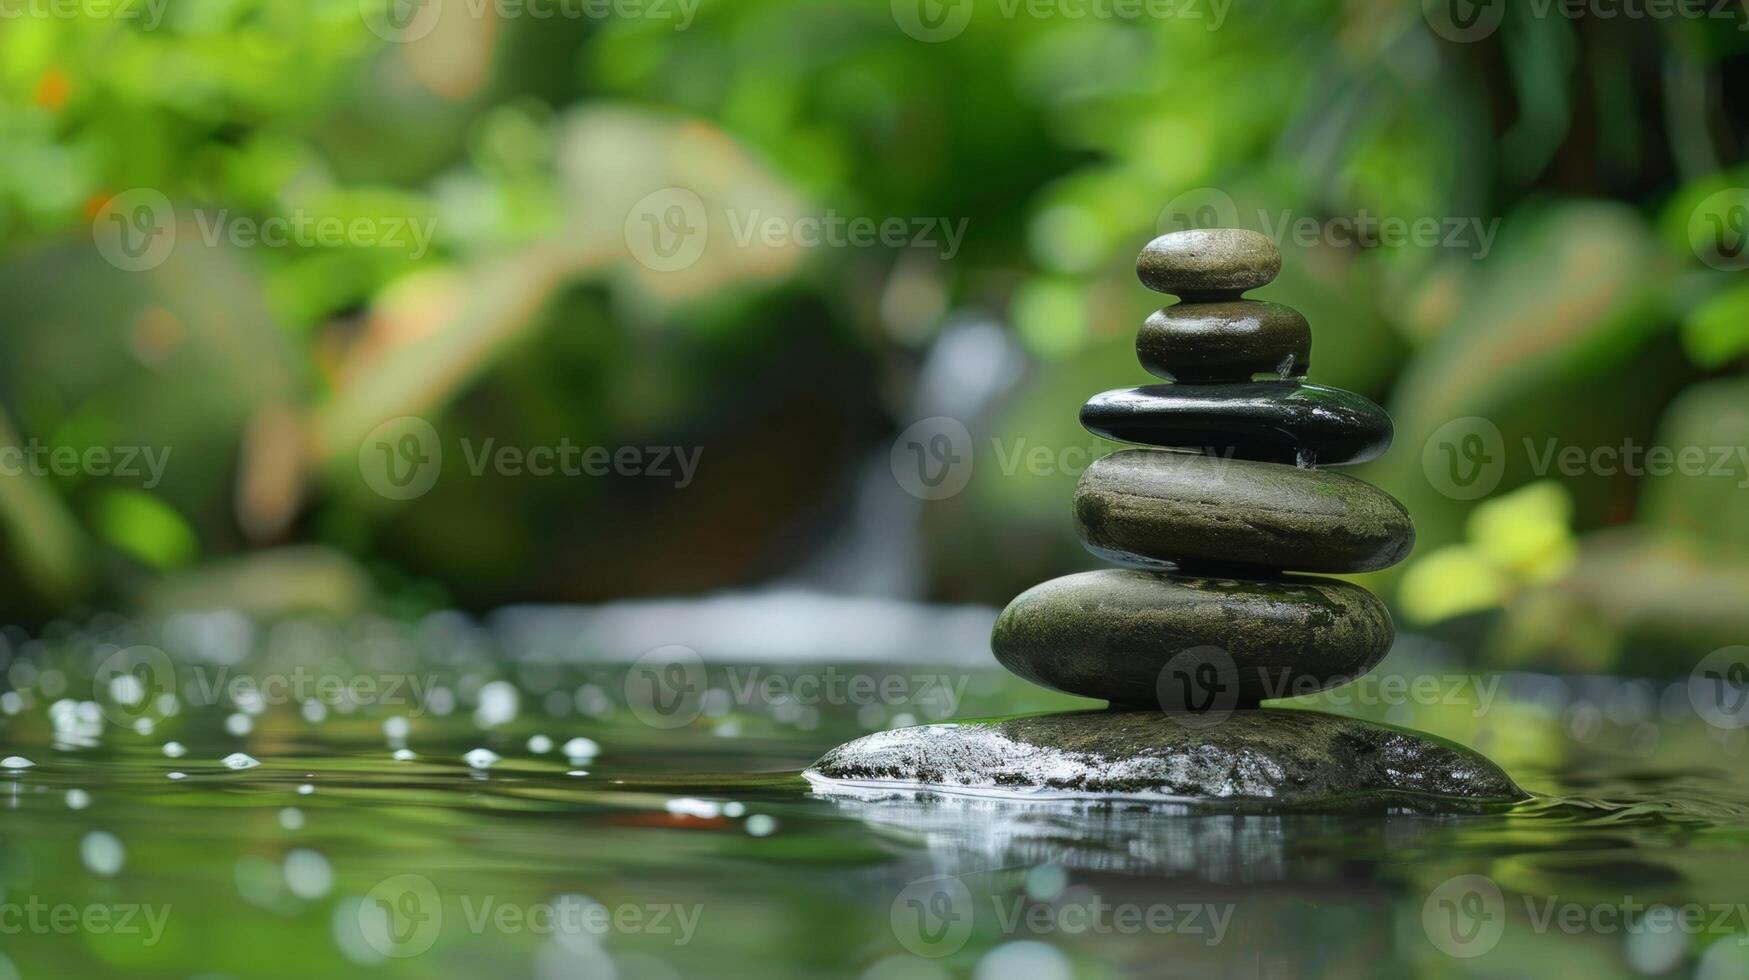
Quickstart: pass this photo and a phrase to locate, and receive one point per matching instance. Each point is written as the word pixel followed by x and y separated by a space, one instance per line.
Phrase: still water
pixel 314 800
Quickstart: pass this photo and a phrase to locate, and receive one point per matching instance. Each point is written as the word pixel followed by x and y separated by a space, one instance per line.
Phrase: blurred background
pixel 256 257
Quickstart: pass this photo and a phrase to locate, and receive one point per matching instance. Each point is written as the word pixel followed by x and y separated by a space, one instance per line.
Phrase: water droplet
pixel 305 789
pixel 540 744
pixel 239 724
pixel 144 726
pixel 175 750
pixel 761 825
pixel 581 748
pixel 396 728
pixel 178 775
pixel 78 799
pixel 498 704
pixel 15 762
pixel 308 874
pixel 405 755
pixel 578 772
pixel 238 760
pixel 690 807
pixel 314 712
pixel 481 758
pixel 102 853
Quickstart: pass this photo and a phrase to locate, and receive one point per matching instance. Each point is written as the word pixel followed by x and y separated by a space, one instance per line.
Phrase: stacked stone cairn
pixel 1211 522
pixel 1216 523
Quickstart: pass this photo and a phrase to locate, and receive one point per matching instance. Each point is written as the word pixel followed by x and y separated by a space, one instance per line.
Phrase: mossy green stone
pixel 1211 263
pixel 1110 634
pixel 1225 341
pixel 1266 758
pixel 1151 507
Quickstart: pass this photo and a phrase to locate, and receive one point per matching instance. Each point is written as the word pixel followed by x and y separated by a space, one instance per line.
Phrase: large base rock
pixel 1262 757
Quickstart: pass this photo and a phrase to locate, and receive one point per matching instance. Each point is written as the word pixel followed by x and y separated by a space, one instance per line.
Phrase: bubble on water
pixel 175 750
pixel 239 724
pixel 540 744
pixel 308 874
pixel 689 807
pixel 239 760
pixel 761 825
pixel 177 775
pixel 305 789
pixel 481 758
pixel 499 703
pixel 577 772
pixel 397 728
pixel 126 690
pixel 581 748
pixel 102 853
pixel 1045 882
pixel 15 762
pixel 291 818
pixel 78 799
pixel 441 701
pixel 405 755
pixel 1024 959
pixel 734 809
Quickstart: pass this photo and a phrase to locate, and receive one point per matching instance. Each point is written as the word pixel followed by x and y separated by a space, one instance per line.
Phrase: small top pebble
pixel 1216 262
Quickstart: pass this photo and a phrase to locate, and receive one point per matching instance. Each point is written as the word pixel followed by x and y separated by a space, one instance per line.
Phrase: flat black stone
pixel 1263 759
pixel 1191 644
pixel 1225 341
pixel 1148 506
pixel 1271 421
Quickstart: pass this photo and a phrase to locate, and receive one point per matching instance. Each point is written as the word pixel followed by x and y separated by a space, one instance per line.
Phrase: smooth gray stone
pixel 1179 643
pixel 1268 421
pixel 1225 341
pixel 1265 758
pixel 1150 506
pixel 1208 264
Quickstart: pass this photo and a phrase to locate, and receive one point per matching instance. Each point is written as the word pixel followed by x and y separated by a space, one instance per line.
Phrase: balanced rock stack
pixel 1215 522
